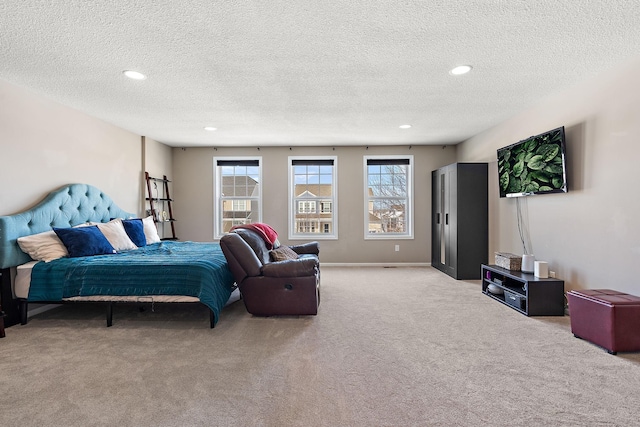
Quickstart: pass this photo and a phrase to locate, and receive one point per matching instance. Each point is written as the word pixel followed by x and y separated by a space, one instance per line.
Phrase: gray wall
pixel 193 176
pixel 158 161
pixel 45 145
pixel 590 236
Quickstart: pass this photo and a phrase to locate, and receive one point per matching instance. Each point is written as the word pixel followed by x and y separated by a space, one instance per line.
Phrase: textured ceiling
pixel 301 72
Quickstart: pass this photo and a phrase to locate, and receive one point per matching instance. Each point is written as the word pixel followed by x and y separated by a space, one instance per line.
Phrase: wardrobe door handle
pixel 438 218
pixel 446 219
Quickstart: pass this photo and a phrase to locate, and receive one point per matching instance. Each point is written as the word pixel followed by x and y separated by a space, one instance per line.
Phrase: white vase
pixel 528 263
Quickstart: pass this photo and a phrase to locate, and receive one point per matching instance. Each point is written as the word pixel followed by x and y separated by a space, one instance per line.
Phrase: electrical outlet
pixel 397 248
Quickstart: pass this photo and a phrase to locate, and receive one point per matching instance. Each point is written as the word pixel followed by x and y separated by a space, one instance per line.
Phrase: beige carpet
pixel 390 347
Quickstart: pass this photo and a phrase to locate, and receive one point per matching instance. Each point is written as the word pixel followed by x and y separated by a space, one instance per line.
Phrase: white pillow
pixel 116 235
pixel 43 246
pixel 150 230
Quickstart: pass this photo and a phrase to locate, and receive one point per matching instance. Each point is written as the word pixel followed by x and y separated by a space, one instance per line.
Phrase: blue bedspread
pixel 165 268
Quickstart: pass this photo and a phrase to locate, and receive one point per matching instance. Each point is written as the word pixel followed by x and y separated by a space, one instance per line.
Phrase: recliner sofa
pixel 289 285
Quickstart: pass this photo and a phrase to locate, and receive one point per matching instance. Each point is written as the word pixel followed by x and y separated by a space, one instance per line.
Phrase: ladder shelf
pixel 159 201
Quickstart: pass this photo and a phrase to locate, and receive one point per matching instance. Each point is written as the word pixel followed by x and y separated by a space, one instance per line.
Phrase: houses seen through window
pixel 388 196
pixel 312 194
pixel 237 193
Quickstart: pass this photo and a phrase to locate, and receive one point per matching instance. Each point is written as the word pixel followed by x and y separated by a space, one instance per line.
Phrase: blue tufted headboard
pixel 70 205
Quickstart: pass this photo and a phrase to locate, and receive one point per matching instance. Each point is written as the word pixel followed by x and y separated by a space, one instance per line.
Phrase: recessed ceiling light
pixel 460 69
pixel 405 126
pixel 210 128
pixel 135 75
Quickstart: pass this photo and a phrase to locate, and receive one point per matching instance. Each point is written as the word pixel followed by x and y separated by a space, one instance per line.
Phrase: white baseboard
pixel 375 264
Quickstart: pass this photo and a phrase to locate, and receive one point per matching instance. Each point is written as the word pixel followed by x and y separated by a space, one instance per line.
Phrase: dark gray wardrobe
pixel 459 220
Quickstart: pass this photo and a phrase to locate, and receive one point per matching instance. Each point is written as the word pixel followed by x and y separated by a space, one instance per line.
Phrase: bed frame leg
pixel 22 304
pixel 109 314
pixel 212 319
pixel 2 333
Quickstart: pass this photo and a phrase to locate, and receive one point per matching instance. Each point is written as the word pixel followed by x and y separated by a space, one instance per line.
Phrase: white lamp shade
pixel 528 263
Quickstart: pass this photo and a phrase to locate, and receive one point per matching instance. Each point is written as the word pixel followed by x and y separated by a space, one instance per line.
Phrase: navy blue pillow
pixel 135 231
pixel 84 241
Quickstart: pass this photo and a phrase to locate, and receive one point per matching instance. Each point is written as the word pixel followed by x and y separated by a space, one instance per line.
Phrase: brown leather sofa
pixel 270 288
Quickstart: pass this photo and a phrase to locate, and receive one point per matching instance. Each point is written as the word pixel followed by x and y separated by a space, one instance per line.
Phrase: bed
pixel 153 270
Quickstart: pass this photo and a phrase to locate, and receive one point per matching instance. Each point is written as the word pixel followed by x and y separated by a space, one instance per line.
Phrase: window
pixel 306 207
pixel 237 192
pixel 312 197
pixel 388 197
pixel 239 205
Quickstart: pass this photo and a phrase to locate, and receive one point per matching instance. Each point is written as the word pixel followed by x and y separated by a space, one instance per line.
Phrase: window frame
pixel 409 213
pixel 218 216
pixel 293 201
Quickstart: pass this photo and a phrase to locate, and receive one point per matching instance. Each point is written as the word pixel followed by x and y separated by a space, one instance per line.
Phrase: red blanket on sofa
pixel 269 235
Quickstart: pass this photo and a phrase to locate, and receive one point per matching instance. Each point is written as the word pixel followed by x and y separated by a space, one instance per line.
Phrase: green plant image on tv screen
pixel 534 165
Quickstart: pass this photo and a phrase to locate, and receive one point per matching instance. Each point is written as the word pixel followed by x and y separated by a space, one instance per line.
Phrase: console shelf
pixel 524 292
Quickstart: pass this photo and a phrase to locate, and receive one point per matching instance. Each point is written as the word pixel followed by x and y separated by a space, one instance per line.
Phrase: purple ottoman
pixel 608 318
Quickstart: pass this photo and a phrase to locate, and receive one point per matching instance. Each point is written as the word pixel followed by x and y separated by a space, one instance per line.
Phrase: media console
pixel 524 292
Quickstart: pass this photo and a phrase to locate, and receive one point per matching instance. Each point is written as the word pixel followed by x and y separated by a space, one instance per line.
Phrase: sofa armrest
pixel 291 268
pixel 307 248
pixel 241 258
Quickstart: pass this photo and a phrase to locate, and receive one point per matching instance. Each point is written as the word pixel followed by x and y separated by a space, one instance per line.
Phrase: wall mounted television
pixel 535 165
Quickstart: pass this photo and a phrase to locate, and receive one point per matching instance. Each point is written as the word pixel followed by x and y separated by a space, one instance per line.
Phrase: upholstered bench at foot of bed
pixel 605 317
